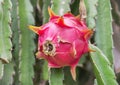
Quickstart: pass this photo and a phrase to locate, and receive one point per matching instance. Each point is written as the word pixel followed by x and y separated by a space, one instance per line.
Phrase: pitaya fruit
pixel 62 41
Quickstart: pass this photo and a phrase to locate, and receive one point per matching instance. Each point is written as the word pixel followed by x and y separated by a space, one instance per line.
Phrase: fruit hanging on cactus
pixel 62 41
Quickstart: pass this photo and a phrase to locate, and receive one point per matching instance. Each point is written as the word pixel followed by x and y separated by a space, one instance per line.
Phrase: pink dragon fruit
pixel 62 41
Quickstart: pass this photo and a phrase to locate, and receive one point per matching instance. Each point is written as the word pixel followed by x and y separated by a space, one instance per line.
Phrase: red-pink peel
pixel 62 41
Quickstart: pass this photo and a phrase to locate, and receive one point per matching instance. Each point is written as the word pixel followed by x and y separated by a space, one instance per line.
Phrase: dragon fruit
pixel 62 41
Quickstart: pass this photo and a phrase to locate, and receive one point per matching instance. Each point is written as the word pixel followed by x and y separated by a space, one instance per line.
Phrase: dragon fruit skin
pixel 62 41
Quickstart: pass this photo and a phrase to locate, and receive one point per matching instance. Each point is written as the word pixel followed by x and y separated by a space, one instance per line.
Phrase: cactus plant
pixel 18 44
